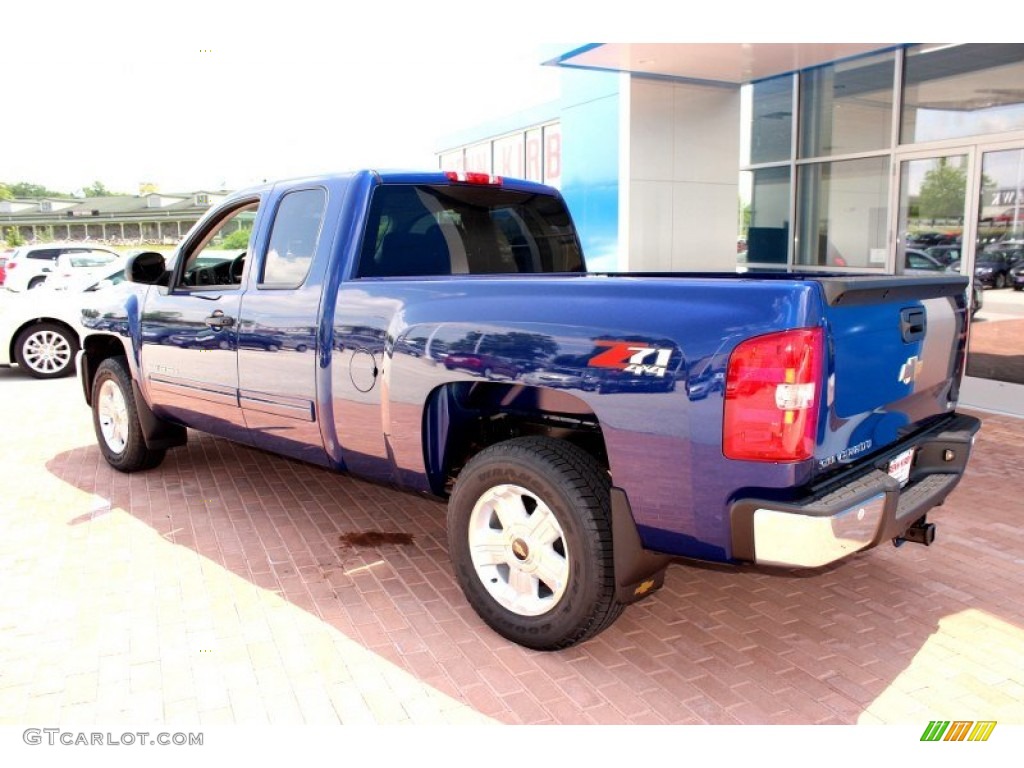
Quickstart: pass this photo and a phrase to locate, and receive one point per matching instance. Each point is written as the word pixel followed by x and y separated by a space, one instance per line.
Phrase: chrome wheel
pixel 112 413
pixel 47 352
pixel 518 550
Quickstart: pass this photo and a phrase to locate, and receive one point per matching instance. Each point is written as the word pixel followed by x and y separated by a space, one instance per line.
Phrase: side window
pixel 46 254
pixel 218 258
pixel 293 239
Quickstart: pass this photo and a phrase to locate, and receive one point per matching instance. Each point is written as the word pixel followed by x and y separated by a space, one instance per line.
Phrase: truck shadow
pixel 888 636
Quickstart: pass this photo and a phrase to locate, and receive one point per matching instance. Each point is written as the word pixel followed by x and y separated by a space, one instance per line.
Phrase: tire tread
pixel 588 484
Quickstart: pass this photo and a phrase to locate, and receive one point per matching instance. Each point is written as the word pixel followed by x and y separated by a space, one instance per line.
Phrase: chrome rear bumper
pixel 860 512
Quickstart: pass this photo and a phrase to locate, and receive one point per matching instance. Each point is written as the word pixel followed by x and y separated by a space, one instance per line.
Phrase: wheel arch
pixel 156 432
pixel 462 418
pixel 95 349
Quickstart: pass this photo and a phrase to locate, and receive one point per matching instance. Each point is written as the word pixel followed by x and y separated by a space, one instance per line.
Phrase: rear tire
pixel 529 531
pixel 116 420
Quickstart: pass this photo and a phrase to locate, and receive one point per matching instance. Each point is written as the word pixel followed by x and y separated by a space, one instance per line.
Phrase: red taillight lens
pixel 11 264
pixel 772 394
pixel 473 177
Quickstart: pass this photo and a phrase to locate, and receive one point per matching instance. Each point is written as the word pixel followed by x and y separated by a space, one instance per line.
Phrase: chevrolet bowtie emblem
pixel 911 369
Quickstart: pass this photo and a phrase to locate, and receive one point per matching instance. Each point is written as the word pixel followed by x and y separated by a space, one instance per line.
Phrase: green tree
pixel 943 192
pixel 98 189
pixel 13 237
pixel 5 192
pixel 237 239
pixel 27 189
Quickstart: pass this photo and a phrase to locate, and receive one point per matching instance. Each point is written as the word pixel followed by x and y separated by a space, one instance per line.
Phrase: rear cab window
pixel 422 230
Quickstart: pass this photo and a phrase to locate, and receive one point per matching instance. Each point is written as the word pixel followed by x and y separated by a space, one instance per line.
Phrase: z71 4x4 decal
pixel 634 357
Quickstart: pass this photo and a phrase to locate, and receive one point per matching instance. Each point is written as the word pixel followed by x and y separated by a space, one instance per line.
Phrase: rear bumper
pixel 861 511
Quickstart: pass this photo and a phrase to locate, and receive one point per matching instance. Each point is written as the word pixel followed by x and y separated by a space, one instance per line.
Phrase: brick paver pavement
pixel 231 586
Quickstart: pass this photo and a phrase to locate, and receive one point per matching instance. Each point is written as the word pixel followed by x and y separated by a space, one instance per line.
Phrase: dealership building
pixel 811 157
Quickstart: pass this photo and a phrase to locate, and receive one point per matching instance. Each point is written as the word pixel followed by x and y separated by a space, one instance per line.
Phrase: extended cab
pixel 440 333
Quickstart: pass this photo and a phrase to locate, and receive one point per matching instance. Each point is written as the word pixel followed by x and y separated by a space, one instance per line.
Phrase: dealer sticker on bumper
pixel 899 468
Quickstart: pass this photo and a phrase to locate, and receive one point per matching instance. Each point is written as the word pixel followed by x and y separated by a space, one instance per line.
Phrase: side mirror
pixel 147 268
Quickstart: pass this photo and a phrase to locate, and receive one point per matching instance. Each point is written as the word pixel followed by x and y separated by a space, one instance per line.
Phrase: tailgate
pixel 897 351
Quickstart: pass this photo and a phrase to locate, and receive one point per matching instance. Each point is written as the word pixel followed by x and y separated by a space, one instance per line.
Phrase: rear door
pixel 277 332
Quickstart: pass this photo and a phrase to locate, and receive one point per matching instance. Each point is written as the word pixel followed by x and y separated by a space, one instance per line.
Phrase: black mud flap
pixel 155 431
pixel 638 571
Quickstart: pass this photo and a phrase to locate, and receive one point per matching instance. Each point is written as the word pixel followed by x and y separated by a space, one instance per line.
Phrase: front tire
pixel 529 531
pixel 116 420
pixel 46 350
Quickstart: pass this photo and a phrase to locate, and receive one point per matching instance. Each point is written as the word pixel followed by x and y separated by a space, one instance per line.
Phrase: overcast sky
pixel 210 95
pixel 203 94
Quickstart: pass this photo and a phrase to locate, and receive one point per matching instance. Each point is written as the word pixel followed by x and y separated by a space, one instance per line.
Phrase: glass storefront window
pixel 958 91
pixel 842 208
pixel 768 234
pixel 847 107
pixel 771 123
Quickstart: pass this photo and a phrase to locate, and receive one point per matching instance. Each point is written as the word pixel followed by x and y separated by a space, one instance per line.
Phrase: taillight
pixel 11 264
pixel 772 394
pixel 474 177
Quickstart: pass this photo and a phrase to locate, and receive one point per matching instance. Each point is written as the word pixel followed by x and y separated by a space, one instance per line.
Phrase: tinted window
pixel 771 123
pixel 294 238
pixel 427 230
pixel 846 107
pixel 953 91
pixel 49 254
pixel 843 213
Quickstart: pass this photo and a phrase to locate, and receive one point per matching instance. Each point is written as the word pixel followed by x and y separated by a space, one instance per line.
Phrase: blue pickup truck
pixel 439 332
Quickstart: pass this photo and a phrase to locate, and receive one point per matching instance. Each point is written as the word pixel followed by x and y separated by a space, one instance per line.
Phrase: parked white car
pixel 41 330
pixel 31 265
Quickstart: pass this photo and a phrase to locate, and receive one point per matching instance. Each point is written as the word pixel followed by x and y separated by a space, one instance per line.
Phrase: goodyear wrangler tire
pixel 529 532
pixel 116 420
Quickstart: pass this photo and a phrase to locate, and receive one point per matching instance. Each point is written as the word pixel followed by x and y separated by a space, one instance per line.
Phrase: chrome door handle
pixel 219 320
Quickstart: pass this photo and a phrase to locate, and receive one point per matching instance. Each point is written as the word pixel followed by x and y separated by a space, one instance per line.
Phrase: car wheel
pixel 529 530
pixel 35 282
pixel 46 350
pixel 116 420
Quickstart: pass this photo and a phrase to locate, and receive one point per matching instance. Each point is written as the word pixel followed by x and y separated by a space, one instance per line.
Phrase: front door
pixel 190 328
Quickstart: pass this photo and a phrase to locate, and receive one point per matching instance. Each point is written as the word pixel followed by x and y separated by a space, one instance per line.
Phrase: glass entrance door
pixel 995 357
pixel 931 213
